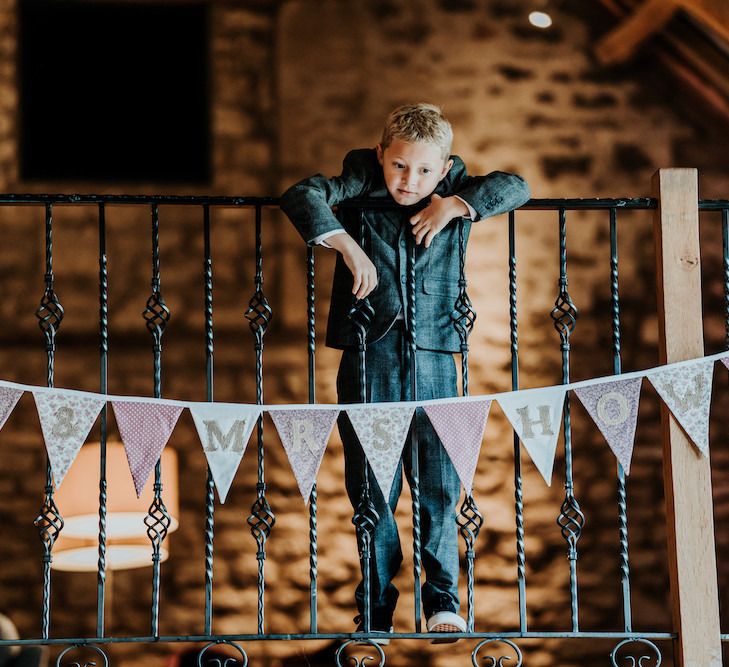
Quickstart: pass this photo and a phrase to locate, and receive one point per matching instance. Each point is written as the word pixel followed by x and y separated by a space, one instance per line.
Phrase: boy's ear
pixel 380 157
pixel 446 168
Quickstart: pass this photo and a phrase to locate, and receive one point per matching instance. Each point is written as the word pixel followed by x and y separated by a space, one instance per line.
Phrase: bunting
pixel 9 398
pixel 613 407
pixel 460 427
pixel 381 430
pixel 535 416
pixel 145 428
pixel 66 417
pixel 686 391
pixel 304 435
pixel 145 424
pixel 224 430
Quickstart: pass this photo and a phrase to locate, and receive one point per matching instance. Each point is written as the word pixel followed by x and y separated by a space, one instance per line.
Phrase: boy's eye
pixel 399 165
pixel 424 170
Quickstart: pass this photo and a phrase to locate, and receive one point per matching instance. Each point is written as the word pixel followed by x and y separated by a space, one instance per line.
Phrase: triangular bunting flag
pixel 725 361
pixel 381 431
pixel 304 435
pixel 460 427
pixel 144 427
pixel 614 408
pixel 224 430
pixel 8 399
pixel 686 390
pixel 535 416
pixel 66 419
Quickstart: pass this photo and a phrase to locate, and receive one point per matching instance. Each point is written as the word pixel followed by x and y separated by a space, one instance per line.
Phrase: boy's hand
pixel 363 270
pixel 435 216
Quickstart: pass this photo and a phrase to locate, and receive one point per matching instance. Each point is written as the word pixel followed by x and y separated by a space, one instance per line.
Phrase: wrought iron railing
pixel 571 520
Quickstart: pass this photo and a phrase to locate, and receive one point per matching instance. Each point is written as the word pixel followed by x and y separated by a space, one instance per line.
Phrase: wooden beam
pixel 621 42
pixel 686 473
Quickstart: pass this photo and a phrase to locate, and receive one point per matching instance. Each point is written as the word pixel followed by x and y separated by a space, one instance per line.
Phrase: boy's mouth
pixel 407 193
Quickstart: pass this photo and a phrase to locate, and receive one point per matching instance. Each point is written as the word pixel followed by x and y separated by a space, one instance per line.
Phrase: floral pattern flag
pixel 304 435
pixel 144 427
pixel 224 430
pixel 66 419
pixel 381 431
pixel 613 406
pixel 460 427
pixel 686 390
pixel 9 397
pixel 535 415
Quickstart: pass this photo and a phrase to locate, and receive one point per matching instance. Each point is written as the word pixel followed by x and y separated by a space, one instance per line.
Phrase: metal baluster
pixel 469 518
pixel 209 482
pixel 617 370
pixel 261 519
pixel 103 388
pixel 365 516
pixel 414 449
pixel 49 522
pixel 156 315
pixel 725 244
pixel 518 494
pixel 311 350
pixel 571 519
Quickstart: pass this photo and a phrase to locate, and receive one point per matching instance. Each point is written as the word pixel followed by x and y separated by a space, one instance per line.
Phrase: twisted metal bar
pixel 262 518
pixel 518 493
pixel 311 351
pixel 725 247
pixel 571 519
pixel 49 521
pixel 617 369
pixel 414 447
pixel 209 482
pixel 365 516
pixel 77 663
pixel 640 660
pixel 497 661
pixel 469 518
pixel 216 662
pixel 156 316
pixel 103 388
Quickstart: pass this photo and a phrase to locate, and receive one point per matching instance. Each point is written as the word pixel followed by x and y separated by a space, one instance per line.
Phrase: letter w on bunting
pixel 686 390
pixel 66 419
pixel 381 431
pixel 613 406
pixel 224 430
pixel 535 416
pixel 304 435
pixel 460 426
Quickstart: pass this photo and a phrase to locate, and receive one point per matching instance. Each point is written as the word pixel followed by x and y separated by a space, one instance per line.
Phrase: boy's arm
pixel 308 204
pixel 460 195
pixel 495 193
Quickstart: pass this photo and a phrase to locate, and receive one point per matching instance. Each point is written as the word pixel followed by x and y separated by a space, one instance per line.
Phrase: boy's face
pixel 412 170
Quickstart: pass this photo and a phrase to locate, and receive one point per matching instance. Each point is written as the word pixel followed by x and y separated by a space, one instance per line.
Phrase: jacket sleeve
pixel 308 204
pixel 489 195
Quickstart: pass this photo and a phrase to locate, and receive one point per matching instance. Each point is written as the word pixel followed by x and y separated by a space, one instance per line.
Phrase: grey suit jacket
pixel 309 206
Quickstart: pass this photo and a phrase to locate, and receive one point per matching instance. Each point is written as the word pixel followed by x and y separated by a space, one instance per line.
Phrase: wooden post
pixel 689 505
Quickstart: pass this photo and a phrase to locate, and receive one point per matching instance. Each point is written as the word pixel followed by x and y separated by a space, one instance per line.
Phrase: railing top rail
pixel 593 203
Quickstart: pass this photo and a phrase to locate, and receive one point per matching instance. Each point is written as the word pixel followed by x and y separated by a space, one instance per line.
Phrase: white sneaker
pixel 445 621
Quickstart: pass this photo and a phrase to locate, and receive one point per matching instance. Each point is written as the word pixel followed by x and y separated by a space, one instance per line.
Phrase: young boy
pixel 411 164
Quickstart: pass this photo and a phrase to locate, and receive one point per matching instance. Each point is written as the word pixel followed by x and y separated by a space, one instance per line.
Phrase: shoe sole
pixel 445 627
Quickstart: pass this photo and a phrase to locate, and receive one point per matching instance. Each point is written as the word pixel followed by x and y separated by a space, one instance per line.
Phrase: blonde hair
pixel 418 122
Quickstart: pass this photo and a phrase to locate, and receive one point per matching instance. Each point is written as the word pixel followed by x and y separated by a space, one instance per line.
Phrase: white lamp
pixel 127 544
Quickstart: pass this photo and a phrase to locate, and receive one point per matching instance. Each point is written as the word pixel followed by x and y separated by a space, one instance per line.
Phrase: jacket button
pixel 403 279
pixel 403 243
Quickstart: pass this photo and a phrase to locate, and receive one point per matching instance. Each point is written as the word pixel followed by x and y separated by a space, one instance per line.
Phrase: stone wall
pixel 295 85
